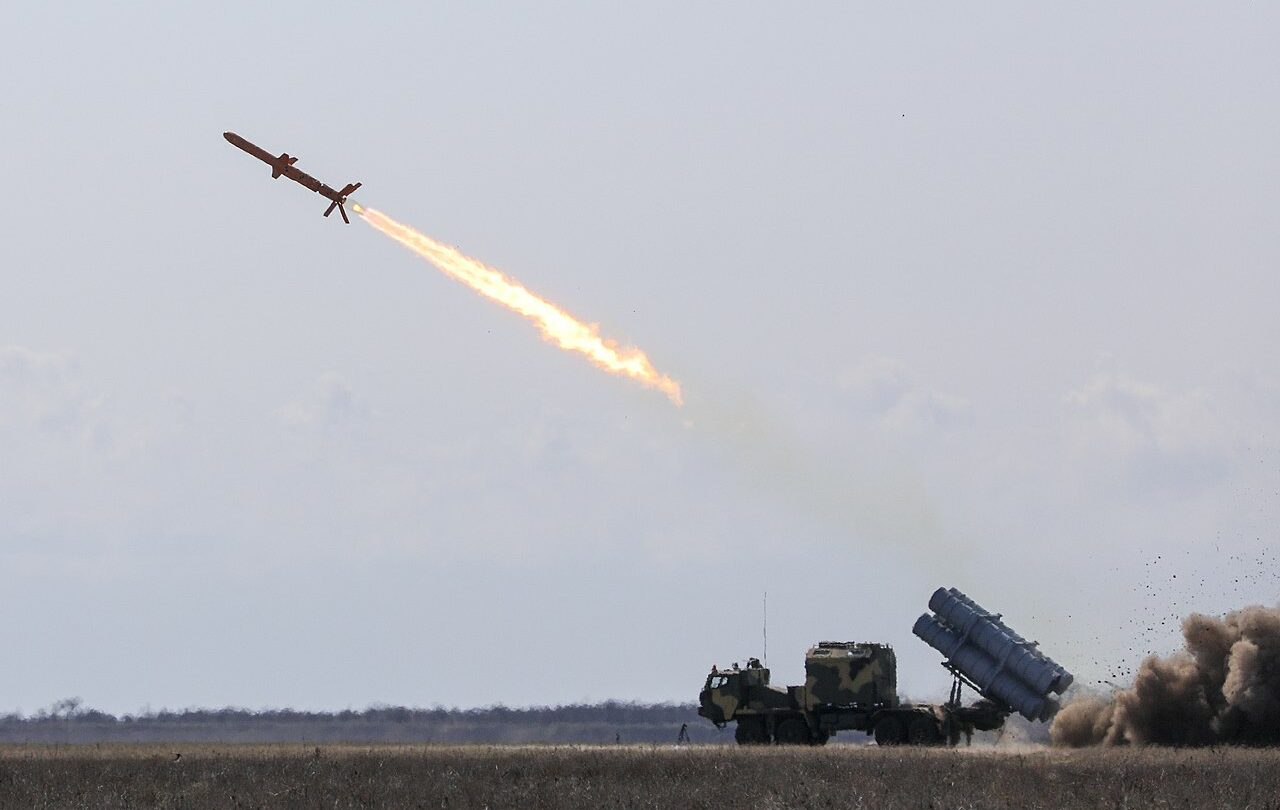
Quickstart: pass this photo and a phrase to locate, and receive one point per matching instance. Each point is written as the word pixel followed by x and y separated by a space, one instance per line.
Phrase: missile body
pixel 283 166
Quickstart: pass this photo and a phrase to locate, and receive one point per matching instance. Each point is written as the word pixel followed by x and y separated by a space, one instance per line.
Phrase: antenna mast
pixel 764 629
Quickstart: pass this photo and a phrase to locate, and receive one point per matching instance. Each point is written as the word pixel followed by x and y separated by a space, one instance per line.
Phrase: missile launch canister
pixel 1002 664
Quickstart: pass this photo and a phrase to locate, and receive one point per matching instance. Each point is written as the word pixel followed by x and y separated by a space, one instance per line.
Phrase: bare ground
pixel 110 776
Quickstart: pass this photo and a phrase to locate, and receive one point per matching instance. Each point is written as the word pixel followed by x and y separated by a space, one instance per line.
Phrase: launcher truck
pixel 852 686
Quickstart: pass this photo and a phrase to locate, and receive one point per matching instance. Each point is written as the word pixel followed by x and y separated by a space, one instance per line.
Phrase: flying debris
pixel 283 165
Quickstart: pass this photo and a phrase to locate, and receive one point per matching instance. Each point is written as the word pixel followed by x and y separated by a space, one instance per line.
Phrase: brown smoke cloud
pixel 1223 687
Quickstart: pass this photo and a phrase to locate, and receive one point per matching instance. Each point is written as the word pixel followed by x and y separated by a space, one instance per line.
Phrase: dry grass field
pixel 111 776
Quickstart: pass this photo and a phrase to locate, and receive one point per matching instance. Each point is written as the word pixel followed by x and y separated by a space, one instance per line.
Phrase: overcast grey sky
pixel 974 296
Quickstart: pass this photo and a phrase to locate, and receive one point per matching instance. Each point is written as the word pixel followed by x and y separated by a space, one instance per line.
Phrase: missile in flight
pixel 283 166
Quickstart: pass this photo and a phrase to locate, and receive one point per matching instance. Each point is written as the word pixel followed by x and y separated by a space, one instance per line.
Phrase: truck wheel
pixel 792 731
pixel 751 731
pixel 923 730
pixel 889 731
pixel 820 738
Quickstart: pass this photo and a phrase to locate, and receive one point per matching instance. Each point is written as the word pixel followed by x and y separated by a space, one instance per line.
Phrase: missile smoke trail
pixel 556 325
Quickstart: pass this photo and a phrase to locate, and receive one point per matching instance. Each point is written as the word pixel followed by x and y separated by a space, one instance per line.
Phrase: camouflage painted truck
pixel 851 686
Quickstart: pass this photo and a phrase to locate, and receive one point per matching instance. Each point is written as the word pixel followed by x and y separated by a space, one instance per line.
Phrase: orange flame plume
pixel 556 325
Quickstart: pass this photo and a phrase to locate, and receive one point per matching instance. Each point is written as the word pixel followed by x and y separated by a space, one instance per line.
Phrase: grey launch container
pixel 1003 665
pixel 990 633
pixel 985 631
pixel 993 680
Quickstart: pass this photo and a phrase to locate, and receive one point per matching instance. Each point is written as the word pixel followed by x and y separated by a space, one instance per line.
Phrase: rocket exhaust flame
pixel 556 325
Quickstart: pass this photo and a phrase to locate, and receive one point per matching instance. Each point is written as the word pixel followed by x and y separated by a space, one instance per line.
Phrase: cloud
pixel 1137 415
pixel 890 391
pixel 333 404
pixel 1162 438
pixel 43 391
pixel 20 364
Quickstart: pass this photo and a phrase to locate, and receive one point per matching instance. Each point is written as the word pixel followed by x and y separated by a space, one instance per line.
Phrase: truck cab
pixel 728 691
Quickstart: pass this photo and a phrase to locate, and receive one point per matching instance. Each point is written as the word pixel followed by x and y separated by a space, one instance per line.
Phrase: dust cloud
pixel 1223 687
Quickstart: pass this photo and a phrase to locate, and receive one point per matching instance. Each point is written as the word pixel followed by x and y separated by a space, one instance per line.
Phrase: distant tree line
pixel 70 721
